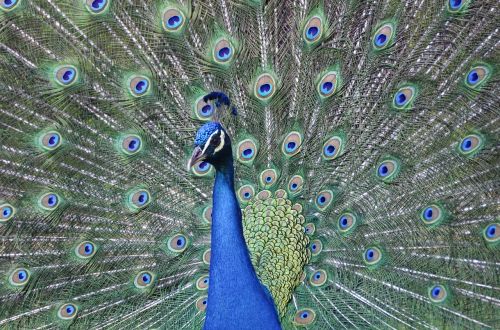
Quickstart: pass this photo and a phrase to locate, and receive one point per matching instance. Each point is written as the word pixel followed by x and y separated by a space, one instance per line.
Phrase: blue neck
pixel 236 299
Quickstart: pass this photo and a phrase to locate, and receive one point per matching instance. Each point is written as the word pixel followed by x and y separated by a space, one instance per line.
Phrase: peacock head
pixel 212 144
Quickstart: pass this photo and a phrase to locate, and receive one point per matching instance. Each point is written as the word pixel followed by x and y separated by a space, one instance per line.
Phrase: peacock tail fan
pixel 365 145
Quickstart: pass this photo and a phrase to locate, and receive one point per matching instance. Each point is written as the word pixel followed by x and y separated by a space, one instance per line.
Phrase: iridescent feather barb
pixel 365 155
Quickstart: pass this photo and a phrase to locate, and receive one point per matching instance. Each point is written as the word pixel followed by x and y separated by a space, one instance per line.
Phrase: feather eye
pixel 471 144
pixel 295 185
pixel 131 144
pixel 138 199
pixel 66 75
pixel 49 201
pixel 203 110
pixel 265 87
pixel 384 36
pixel 144 279
pixel 323 199
pixel 492 233
pixel 388 170
pixel 313 29
pixel 67 311
pixel 456 6
pixel 316 247
pixel 309 228
pixel 7 211
pixel 19 277
pixel 85 250
pixel 173 20
pixel 223 51
pixel 202 283
pixel 291 144
pixel 138 85
pixel 178 243
pixel 477 76
pixel 304 317
pixel 207 214
pixel 8 5
pixel 246 193
pixel 268 177
pixel 201 303
pixel 347 222
pixel 318 278
pixel 206 256
pixel 437 293
pixel 96 6
pixel 333 147
pixel 247 151
pixel 327 84
pixel 202 168
pixel 404 98
pixel 372 256
pixel 50 141
pixel 432 215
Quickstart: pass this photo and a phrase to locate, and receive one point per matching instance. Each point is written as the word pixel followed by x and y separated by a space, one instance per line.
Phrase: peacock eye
pixel 85 250
pixel 323 199
pixel 202 168
pixel 471 144
pixel 247 150
pixel 173 20
pixel 66 75
pixel 97 6
pixel 403 99
pixel 7 5
pixel 246 193
pixel 131 144
pixel 268 177
pixel 492 233
pixel 206 256
pixel 50 140
pixel 202 283
pixel 139 85
pixel 316 247
pixel 372 256
pixel 455 6
pixel 310 228
pixel 437 293
pixel 432 215
pixel 49 201
pixel 139 199
pixel 383 36
pixel 291 144
pixel 313 29
pixel 201 303
pixel 67 312
pixel 144 280
pixel 333 147
pixel 304 317
pixel 177 243
pixel 387 170
pixel 265 87
pixel 223 51
pixel 19 277
pixel 295 184
pixel 347 222
pixel 7 211
pixel 318 278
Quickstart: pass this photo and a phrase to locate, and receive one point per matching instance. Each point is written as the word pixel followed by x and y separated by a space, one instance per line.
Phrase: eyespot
pixel 333 147
pixel 97 6
pixel 295 184
pixel 206 257
pixel 139 199
pixel 173 20
pixel 492 233
pixel 131 144
pixel 247 150
pixel 19 277
pixel 268 177
pixel 403 99
pixel 246 193
pixel 50 140
pixel 207 214
pixel 316 246
pixel 313 29
pixel 49 201
pixel 327 85
pixel 178 243
pixel 304 316
pixel 202 168
pixel 8 5
pixel 201 303
pixel 309 228
pixel 437 293
pixel 477 76
pixel 383 36
pixel 144 280
pixel 318 278
pixel 85 250
pixel 223 51
pixel 67 312
pixel 66 75
pixel 291 144
pixel 471 144
pixel 346 223
pixel 432 215
pixel 265 87
pixel 455 6
pixel 323 199
pixel 387 170
pixel 372 256
pixel 139 85
pixel 7 211
pixel 203 110
pixel 202 283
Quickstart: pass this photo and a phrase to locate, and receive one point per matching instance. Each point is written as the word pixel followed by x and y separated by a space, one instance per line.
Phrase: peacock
pixel 249 164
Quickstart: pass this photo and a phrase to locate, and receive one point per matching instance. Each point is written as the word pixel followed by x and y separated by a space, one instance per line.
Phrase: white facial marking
pixel 208 142
pixel 221 145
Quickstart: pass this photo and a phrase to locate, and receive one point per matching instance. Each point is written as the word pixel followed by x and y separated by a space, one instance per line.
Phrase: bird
pixel 292 164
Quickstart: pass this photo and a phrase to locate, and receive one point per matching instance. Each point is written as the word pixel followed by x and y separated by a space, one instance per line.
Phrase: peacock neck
pixel 236 299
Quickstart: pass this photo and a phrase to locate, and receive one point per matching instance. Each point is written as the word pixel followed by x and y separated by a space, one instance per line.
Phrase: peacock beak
pixel 196 156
